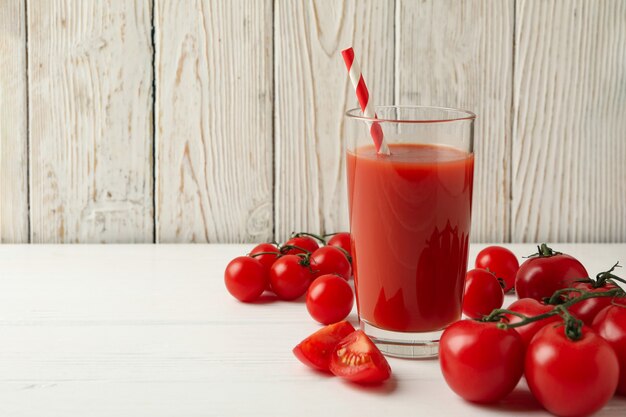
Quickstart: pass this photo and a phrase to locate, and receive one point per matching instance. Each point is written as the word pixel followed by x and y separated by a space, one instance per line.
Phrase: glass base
pixel 404 345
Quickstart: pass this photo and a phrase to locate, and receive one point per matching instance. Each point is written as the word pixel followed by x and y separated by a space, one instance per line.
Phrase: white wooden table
pixel 151 331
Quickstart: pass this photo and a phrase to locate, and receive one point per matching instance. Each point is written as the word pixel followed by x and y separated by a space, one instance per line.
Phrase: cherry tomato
pixel 530 307
pixel 315 350
pixel 329 299
pixel 330 260
pixel 482 293
pixel 571 378
pixel 501 262
pixel 341 240
pixel 588 309
pixel 266 259
pixel 357 359
pixel 304 242
pixel 479 361
pixel 245 278
pixel 541 275
pixel 289 277
pixel 610 324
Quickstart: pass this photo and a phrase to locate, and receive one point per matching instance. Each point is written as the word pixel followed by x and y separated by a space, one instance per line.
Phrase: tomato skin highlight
pixel 480 362
pixel 289 279
pixel 482 293
pixel 329 299
pixel 588 309
pixel 610 324
pixel 501 262
pixel 341 240
pixel 357 359
pixel 315 350
pixel 304 242
pixel 330 260
pixel 539 277
pixel 571 378
pixel 245 278
pixel 530 307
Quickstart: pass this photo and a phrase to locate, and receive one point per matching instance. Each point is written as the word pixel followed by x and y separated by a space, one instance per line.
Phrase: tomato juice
pixel 410 224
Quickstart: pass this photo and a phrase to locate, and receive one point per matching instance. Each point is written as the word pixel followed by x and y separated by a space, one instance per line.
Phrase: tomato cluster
pixel 344 352
pixel 298 266
pixel 566 333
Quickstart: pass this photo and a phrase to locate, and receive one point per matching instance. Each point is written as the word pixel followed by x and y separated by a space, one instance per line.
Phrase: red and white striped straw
pixel 354 70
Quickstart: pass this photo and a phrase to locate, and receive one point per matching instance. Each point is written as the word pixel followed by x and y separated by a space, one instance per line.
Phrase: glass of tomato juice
pixel 410 223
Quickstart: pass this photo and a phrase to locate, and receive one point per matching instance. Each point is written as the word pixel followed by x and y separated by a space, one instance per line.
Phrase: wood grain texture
pixel 312 93
pixel 459 54
pixel 214 120
pixel 90 98
pixel 13 124
pixel 569 177
pixel 150 331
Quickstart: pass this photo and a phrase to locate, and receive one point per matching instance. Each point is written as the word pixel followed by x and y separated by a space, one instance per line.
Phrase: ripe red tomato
pixel 571 378
pixel 357 359
pixel 588 309
pixel 245 278
pixel 315 350
pixel 289 277
pixel 610 324
pixel 341 240
pixel 541 275
pixel 305 242
pixel 479 361
pixel 501 262
pixel 530 307
pixel 329 299
pixel 267 259
pixel 482 293
pixel 330 260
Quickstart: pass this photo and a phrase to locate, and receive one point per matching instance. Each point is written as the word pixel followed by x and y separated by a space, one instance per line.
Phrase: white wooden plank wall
pixel 214 121
pixel 13 124
pixel 90 120
pixel 569 176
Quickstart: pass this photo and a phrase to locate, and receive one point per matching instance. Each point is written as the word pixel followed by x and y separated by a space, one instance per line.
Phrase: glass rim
pixel 354 113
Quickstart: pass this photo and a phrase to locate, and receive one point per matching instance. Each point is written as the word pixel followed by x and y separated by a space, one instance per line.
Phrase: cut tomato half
pixel 315 350
pixel 357 359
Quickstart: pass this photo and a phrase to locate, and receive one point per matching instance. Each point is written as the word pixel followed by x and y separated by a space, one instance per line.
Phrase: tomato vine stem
pixel 573 329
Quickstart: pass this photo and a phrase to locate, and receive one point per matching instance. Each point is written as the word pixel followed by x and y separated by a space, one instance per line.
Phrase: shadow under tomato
pixel 521 400
pixel 265 298
pixel 383 389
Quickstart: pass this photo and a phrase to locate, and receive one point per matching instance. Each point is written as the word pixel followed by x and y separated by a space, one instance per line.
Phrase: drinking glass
pixel 410 223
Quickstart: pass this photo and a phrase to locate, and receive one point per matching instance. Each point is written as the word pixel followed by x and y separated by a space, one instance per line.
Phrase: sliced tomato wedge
pixel 357 359
pixel 315 350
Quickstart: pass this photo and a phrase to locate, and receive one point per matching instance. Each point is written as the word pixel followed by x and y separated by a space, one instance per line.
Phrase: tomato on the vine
pixel 610 324
pixel 357 359
pixel 529 307
pixel 290 277
pixel 307 243
pixel 546 272
pixel 341 240
pixel 269 253
pixel 501 262
pixel 329 299
pixel 315 350
pixel 587 310
pixel 571 378
pixel 330 260
pixel 479 361
pixel 245 278
pixel 481 294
